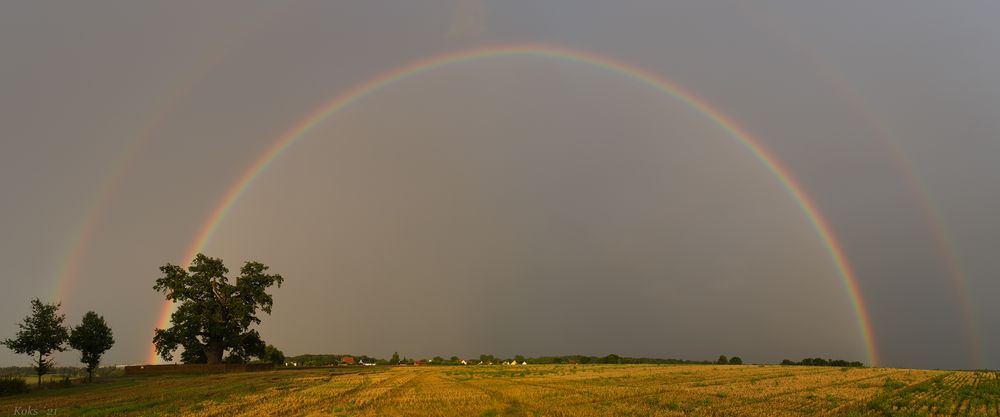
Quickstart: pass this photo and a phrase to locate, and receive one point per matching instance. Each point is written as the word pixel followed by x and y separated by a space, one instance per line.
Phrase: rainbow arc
pixel 649 79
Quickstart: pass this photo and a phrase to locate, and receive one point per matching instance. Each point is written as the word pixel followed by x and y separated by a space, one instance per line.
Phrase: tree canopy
pixel 92 338
pixel 824 362
pixel 39 335
pixel 214 316
pixel 273 355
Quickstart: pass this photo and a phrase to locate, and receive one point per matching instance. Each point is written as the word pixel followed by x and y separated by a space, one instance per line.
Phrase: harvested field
pixel 535 390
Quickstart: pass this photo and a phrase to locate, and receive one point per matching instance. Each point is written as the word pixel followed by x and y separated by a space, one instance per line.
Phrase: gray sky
pixel 515 205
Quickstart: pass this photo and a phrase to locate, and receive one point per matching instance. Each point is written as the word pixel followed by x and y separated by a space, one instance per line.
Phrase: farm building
pixel 347 360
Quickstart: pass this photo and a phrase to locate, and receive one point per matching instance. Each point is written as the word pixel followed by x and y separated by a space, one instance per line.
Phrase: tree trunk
pixel 90 375
pixel 39 370
pixel 213 352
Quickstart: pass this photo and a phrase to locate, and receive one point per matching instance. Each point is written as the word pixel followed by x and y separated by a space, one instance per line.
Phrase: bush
pixel 11 384
pixel 62 382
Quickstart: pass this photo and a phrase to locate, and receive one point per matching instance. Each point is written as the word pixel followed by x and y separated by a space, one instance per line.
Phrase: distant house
pixel 347 360
pixel 464 362
pixel 363 363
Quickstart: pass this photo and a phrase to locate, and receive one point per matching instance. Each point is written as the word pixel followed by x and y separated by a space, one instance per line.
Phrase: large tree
pixel 41 334
pixel 213 315
pixel 92 338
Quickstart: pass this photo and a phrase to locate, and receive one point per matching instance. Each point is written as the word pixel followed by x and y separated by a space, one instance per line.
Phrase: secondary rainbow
pixel 71 263
pixel 373 85
pixel 903 164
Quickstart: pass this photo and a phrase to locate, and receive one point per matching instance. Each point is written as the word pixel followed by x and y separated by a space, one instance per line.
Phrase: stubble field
pixel 534 390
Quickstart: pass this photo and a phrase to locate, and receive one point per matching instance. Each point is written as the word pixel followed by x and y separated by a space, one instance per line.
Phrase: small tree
pixel 41 334
pixel 92 338
pixel 395 359
pixel 735 360
pixel 722 360
pixel 273 355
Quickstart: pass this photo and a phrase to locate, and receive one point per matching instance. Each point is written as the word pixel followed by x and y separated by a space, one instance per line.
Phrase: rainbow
pixel 378 83
pixel 944 245
pixel 904 165
pixel 73 259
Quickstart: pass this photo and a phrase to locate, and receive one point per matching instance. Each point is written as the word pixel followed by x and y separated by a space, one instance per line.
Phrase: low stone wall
pixel 196 368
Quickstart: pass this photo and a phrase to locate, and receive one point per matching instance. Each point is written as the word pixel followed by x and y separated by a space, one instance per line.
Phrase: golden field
pixel 533 390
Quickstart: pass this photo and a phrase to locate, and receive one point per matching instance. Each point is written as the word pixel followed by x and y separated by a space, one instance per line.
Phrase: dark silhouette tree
pixel 395 359
pixel 273 355
pixel 92 338
pixel 214 316
pixel 735 360
pixel 722 360
pixel 41 334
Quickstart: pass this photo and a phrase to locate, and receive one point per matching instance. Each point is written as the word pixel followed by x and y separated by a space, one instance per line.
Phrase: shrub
pixel 12 384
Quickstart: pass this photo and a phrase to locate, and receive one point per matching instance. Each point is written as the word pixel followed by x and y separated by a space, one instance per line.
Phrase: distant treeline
pixel 333 359
pixel 612 358
pixel 329 359
pixel 824 362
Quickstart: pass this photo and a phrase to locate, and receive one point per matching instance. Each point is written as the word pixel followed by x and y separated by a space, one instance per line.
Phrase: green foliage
pixel 10 385
pixel 823 362
pixel 735 360
pixel 214 316
pixel 234 359
pixel 612 358
pixel 722 360
pixel 330 359
pixel 273 355
pixel 581 359
pixel 92 338
pixel 41 334
pixel 395 359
